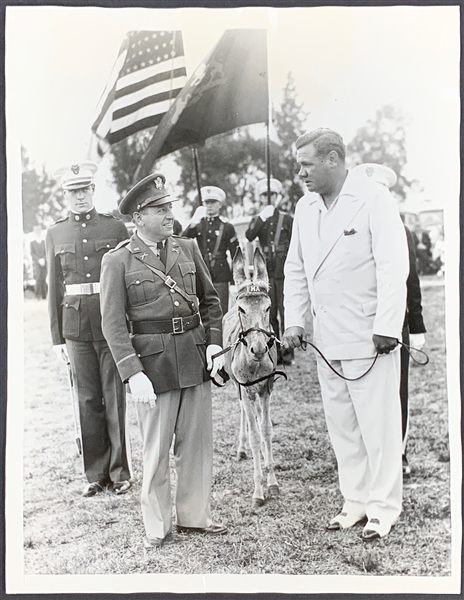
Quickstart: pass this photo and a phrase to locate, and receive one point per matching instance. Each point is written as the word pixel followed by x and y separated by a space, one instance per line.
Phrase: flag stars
pixel 165 55
pixel 156 47
pixel 164 44
pixel 173 54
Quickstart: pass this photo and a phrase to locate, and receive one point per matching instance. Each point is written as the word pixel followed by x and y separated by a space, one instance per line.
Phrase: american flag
pixel 146 78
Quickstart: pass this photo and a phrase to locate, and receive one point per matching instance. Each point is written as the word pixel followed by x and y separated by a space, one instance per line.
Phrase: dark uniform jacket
pixel 414 319
pixel 275 250
pixel 131 292
pixel 207 233
pixel 75 248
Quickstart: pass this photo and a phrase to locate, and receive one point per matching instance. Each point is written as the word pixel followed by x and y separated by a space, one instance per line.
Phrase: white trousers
pixel 185 415
pixel 364 424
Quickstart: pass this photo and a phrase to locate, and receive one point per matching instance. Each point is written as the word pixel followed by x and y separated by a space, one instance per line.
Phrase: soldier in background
pixel 215 237
pixel 39 263
pixel 273 228
pixel 75 247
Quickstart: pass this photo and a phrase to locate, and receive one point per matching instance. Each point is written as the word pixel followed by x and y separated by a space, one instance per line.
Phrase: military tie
pixel 161 252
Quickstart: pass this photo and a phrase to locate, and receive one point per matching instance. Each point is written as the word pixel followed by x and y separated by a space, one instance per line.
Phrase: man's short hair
pixel 324 140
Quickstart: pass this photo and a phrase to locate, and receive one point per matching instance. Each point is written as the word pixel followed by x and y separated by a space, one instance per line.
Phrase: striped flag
pixel 146 78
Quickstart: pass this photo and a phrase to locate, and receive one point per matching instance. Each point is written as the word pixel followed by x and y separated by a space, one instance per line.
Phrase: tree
pixel 383 140
pixel 289 123
pixel 126 156
pixel 42 200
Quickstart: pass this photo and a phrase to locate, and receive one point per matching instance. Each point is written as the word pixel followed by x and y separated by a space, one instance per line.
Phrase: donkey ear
pixel 259 267
pixel 238 267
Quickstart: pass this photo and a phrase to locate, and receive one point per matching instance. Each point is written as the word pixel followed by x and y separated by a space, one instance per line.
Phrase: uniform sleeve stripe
pixel 125 358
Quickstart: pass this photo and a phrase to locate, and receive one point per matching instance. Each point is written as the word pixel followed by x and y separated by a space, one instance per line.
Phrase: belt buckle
pixel 169 281
pixel 177 325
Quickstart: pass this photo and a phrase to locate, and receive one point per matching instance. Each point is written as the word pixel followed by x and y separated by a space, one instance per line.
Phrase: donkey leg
pixel 241 452
pixel 272 484
pixel 255 443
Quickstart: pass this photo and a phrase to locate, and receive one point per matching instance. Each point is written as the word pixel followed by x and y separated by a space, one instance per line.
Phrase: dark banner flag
pixel 229 89
pixel 148 74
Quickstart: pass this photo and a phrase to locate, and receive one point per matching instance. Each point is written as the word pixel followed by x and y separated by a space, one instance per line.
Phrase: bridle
pixel 252 289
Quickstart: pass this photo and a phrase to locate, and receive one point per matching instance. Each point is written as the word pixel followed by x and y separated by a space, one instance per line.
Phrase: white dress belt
pixel 78 289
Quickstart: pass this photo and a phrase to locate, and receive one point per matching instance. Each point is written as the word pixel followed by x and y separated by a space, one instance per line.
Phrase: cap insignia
pixel 158 183
pixel 75 169
pixel 369 171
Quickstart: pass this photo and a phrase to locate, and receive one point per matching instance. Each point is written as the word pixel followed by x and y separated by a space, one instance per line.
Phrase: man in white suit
pixel 348 260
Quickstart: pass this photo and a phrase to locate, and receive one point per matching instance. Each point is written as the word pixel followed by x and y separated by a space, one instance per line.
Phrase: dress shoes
pixel 344 521
pixel 213 529
pixel 91 489
pixel 406 468
pixel 154 543
pixel 374 530
pixel 120 487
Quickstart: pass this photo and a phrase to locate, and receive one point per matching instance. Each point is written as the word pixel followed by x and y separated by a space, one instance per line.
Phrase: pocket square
pixel 350 232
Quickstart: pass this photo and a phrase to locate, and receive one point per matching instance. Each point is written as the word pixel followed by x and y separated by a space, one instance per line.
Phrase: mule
pixel 251 365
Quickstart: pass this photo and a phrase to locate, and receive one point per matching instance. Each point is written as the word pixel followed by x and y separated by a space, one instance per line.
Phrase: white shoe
pixel 375 530
pixel 344 521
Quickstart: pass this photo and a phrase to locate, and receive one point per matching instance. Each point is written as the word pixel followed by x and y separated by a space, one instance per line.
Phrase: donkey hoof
pixel 241 455
pixel 257 503
pixel 274 491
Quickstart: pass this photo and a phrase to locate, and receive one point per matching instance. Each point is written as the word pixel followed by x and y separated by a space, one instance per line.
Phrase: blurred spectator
pixel 39 263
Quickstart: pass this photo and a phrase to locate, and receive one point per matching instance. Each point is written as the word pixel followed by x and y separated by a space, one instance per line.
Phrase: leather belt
pixel 82 289
pixel 175 325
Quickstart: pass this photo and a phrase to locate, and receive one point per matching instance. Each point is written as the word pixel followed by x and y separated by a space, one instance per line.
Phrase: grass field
pixel 65 533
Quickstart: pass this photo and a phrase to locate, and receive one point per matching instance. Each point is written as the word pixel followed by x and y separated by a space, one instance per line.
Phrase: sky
pixel 347 62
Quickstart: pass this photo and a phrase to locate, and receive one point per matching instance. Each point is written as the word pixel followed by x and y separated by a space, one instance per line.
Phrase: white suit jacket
pixel 355 277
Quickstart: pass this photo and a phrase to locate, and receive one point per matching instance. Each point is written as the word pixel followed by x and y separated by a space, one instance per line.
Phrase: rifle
pixel 75 406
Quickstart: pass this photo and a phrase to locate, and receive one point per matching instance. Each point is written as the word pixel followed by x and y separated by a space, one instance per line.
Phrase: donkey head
pixel 253 303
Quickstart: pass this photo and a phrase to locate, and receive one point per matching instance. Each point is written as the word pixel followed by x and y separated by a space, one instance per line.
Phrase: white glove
pixel 61 352
pixel 267 212
pixel 41 262
pixel 416 340
pixel 198 215
pixel 215 364
pixel 142 389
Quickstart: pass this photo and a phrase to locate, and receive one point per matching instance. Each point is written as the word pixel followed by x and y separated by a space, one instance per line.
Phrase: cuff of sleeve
pixel 129 367
pixel 214 336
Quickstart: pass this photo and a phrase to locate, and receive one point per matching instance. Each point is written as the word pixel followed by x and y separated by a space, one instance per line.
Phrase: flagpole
pixel 268 162
pixel 197 172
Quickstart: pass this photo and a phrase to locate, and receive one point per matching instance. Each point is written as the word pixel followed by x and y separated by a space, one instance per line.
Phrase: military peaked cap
pixel 148 192
pixel 261 186
pixel 211 192
pixel 77 176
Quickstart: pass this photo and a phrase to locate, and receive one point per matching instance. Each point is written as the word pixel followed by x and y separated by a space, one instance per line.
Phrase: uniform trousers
pixel 276 294
pixel 222 288
pixel 102 408
pixel 186 415
pixel 40 276
pixel 364 424
pixel 404 388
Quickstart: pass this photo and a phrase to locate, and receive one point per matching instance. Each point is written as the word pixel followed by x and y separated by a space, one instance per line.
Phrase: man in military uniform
pixel 215 236
pixel 273 228
pixel 75 247
pixel 160 285
pixel 39 263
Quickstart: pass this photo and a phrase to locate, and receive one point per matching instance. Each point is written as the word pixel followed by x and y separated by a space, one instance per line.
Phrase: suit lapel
pixel 347 208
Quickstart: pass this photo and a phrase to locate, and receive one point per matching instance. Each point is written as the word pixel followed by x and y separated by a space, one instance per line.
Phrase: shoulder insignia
pixel 120 245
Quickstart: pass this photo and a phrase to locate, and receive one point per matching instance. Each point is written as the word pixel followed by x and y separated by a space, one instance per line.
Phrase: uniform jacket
pixel 266 232
pixel 206 233
pixel 414 319
pixel 355 277
pixel 75 247
pixel 132 292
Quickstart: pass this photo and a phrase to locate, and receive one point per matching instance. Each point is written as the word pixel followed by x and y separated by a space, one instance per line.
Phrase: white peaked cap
pixel 79 175
pixel 379 173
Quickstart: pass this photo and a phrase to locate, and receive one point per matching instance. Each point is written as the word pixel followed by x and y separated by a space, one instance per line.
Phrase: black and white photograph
pixel 233 299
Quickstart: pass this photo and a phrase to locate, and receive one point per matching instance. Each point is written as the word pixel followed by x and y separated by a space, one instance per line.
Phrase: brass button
pixel 87 217
pixel 86 258
pixel 85 241
pixel 84 225
pixel 87 274
pixel 137 282
pixel 173 291
pixel 77 217
pixel 176 303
